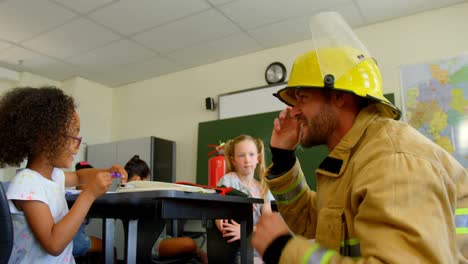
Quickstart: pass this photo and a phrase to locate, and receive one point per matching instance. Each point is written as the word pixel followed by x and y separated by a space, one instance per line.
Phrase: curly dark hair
pixel 137 166
pixel 34 121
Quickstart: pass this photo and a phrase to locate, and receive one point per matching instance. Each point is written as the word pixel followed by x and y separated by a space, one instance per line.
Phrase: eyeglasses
pixel 79 139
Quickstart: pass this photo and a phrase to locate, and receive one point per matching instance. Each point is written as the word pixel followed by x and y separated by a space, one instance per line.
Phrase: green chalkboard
pixel 258 126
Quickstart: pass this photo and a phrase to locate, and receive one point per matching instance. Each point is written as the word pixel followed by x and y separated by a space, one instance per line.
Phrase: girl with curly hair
pixel 42 126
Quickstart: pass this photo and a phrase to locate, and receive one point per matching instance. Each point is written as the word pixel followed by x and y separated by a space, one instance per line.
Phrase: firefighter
pixel 385 193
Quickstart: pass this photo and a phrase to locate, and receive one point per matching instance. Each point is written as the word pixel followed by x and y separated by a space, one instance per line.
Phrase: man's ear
pixel 341 99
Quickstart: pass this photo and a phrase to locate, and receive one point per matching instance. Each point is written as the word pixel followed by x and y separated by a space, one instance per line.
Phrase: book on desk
pixel 136 186
pixel 141 186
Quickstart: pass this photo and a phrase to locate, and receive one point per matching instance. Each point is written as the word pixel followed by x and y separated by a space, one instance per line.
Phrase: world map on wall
pixel 435 102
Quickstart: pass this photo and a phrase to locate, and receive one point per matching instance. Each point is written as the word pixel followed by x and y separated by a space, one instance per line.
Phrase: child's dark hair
pixel 83 165
pixel 136 166
pixel 34 121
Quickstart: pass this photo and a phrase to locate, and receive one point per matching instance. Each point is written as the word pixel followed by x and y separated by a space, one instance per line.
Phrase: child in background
pixel 165 246
pixel 42 126
pixel 137 169
pixel 82 243
pixel 244 155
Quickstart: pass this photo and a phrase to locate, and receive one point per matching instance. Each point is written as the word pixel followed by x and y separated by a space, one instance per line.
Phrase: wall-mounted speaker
pixel 210 104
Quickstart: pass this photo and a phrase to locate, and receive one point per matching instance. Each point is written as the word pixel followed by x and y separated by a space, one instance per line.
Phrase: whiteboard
pixel 250 102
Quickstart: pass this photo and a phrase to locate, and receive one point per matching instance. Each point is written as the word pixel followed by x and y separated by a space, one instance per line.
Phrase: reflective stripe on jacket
pixel 385 194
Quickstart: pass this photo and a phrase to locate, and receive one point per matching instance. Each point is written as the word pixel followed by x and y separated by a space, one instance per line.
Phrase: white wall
pixel 171 106
pixel 8 172
pixel 95 107
pixel 29 79
pixel 415 39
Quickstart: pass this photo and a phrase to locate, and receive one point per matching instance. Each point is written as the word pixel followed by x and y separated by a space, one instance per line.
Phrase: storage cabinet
pixel 159 154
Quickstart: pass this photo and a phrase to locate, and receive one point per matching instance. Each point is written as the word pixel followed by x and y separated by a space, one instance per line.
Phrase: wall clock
pixel 275 73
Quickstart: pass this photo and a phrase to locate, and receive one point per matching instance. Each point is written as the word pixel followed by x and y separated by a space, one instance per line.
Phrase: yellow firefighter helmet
pixel 339 61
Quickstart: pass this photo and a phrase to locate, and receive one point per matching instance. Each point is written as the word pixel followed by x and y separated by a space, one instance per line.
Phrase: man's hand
pixel 286 131
pixel 268 228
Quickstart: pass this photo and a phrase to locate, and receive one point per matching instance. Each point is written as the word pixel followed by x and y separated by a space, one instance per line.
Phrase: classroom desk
pixel 144 213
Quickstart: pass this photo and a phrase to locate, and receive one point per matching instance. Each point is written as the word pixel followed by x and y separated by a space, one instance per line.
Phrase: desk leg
pixel 132 241
pixel 140 236
pixel 245 241
pixel 108 235
pixel 175 225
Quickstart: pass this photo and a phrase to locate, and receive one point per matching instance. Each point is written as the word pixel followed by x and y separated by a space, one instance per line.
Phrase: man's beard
pixel 319 128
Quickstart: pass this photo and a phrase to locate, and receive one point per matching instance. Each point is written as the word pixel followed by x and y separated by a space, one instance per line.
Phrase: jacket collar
pixel 337 160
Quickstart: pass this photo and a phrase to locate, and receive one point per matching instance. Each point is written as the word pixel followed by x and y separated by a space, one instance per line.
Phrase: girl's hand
pixel 232 230
pixel 266 207
pixel 286 131
pixel 219 224
pixel 119 169
pixel 99 184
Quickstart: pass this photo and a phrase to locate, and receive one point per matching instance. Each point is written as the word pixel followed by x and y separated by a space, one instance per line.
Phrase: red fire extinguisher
pixel 216 165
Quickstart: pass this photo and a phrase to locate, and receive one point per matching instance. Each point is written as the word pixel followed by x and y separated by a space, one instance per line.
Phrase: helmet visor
pixel 338 48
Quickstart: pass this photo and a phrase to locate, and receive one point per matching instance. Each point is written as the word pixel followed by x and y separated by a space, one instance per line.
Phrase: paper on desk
pixel 72 191
pixel 140 186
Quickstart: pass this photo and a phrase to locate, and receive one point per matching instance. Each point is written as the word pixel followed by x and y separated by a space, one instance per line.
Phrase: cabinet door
pixel 102 155
pixel 163 160
pixel 126 149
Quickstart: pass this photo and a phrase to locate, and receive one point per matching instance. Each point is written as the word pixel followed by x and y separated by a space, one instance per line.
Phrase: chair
pixel 6 228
